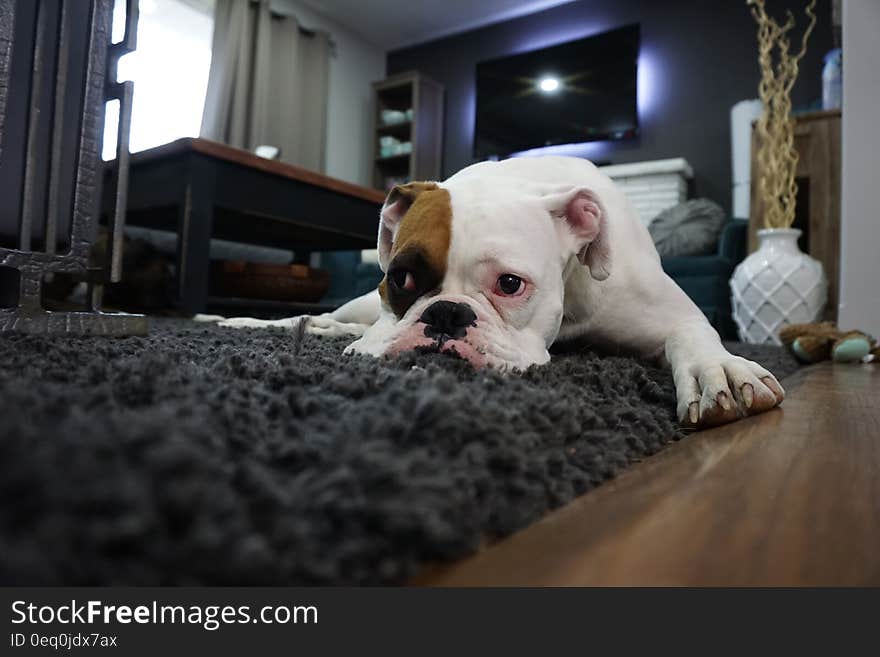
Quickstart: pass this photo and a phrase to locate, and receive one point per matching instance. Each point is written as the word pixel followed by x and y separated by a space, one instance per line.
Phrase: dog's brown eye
pixel 509 285
pixel 402 279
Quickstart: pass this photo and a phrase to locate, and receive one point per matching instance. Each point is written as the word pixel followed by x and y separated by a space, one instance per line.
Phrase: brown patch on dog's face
pixel 427 226
pixel 420 250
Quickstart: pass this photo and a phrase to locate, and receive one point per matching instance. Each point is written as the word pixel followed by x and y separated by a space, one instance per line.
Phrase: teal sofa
pixel 706 278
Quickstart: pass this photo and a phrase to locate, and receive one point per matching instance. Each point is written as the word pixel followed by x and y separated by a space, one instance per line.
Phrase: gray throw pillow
pixel 689 228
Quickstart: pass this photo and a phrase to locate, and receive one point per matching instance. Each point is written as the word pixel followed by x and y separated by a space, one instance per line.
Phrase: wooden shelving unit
pixel 424 130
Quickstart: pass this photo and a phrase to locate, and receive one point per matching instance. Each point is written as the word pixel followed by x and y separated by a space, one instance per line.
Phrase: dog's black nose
pixel 447 318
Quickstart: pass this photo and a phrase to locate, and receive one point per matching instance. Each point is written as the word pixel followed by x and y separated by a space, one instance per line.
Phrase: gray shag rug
pixel 201 455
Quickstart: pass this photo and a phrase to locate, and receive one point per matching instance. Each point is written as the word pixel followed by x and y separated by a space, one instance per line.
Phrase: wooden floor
pixel 791 497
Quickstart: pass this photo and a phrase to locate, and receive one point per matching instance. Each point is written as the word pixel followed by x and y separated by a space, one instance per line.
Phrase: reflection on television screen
pixel 583 90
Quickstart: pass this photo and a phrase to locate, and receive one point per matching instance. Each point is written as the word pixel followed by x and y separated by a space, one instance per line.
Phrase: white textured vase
pixel 776 286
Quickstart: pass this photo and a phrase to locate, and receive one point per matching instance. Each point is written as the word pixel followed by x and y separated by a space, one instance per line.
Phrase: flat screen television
pixel 583 90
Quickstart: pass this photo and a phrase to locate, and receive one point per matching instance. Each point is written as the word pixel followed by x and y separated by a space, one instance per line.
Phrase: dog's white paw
pixel 722 389
pixel 207 319
pixel 323 325
pixel 250 322
pixel 326 326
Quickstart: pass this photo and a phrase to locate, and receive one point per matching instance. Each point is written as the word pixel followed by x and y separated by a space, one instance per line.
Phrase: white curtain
pixel 268 83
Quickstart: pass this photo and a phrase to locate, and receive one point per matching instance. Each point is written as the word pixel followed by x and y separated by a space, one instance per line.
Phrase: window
pixel 169 69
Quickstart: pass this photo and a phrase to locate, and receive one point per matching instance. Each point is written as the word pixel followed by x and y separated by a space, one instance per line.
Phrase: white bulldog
pixel 505 258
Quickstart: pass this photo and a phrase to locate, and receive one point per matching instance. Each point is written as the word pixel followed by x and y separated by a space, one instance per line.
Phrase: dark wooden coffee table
pixel 202 189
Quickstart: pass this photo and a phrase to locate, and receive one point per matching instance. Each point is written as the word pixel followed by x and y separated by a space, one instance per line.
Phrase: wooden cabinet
pixel 408 139
pixel 817 141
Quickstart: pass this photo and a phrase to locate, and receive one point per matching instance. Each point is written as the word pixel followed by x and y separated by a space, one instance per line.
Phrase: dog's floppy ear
pixel 583 218
pixel 398 201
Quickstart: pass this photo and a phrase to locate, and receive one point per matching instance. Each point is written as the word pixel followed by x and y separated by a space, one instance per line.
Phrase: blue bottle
pixel 832 76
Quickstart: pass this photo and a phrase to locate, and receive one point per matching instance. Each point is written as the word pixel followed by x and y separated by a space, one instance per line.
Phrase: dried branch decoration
pixel 776 155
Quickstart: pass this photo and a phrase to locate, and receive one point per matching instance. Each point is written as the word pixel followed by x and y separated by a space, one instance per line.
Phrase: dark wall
pixel 698 59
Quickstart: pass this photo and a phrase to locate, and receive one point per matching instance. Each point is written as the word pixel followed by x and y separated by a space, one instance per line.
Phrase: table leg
pixel 302 257
pixel 195 223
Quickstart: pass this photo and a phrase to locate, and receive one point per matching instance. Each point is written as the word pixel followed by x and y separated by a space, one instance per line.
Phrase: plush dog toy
pixel 812 343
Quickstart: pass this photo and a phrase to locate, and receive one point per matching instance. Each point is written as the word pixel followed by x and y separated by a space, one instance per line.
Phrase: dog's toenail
pixel 748 393
pixel 694 412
